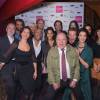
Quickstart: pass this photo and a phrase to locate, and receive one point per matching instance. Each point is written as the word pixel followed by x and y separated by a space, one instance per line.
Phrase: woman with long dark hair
pixel 25 68
pixel 74 24
pixel 49 41
pixel 85 58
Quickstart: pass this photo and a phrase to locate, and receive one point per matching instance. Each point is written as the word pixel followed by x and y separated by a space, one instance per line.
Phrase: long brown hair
pixel 46 32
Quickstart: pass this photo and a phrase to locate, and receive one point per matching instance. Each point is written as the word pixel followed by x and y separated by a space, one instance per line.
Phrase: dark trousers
pixel 41 87
pixel 8 79
pixel 96 89
pixel 64 86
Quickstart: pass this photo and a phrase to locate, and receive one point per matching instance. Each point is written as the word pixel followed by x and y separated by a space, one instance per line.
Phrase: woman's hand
pixel 35 75
pixel 44 70
pixel 35 71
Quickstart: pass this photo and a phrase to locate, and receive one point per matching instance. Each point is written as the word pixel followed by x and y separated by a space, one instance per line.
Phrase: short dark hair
pixel 88 25
pixel 20 20
pixel 26 27
pixel 72 29
pixel 83 30
pixel 59 22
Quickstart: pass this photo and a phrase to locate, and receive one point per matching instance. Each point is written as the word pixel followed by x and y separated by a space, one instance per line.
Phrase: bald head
pixel 61 40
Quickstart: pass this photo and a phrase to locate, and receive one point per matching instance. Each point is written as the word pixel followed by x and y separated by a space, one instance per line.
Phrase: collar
pixel 10 37
pixel 34 42
pixel 65 49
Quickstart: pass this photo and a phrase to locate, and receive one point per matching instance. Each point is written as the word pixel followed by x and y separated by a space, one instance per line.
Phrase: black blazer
pixel 39 58
pixel 4 44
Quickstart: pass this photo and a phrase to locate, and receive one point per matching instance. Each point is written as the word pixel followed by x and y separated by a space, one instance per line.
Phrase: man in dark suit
pixel 6 70
pixel 63 68
pixel 36 45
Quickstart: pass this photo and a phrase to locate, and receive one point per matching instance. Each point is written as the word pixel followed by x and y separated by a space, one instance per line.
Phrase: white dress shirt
pixel 43 35
pixel 37 48
pixel 67 64
pixel 11 39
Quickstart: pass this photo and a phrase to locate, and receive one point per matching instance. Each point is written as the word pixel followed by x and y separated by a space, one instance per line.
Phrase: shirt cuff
pixel 2 63
pixel 75 80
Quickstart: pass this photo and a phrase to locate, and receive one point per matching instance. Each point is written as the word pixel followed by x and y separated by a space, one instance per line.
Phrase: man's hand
pixel 1 65
pixel 73 84
pixel 56 86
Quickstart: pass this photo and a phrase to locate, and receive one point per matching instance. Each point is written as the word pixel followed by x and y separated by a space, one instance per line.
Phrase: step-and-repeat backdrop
pixel 51 11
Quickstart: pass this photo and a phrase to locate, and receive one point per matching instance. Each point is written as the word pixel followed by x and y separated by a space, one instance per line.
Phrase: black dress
pixel 23 67
pixel 24 70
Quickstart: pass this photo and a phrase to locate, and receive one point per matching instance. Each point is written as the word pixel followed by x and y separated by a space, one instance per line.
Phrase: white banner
pixel 51 11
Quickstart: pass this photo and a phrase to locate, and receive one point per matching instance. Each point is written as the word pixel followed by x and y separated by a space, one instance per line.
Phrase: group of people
pixel 41 64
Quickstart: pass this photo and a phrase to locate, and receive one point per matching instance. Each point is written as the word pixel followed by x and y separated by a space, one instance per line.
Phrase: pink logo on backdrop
pixel 78 19
pixel 59 9
pixel 39 17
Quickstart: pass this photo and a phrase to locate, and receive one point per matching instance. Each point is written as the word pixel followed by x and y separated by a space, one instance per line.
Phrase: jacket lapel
pixel 7 41
pixel 57 61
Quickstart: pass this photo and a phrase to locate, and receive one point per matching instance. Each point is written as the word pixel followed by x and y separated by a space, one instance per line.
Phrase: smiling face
pixel 10 29
pixel 33 27
pixel 61 40
pixel 72 35
pixel 19 25
pixel 50 34
pixel 58 26
pixel 40 24
pixel 25 34
pixel 82 37
pixel 38 34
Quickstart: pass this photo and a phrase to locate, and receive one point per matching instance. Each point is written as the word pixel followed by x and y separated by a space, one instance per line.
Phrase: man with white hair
pixel 63 68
